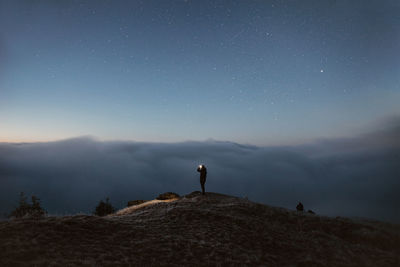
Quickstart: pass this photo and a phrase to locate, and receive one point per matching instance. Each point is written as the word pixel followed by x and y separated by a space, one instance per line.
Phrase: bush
pixel 104 208
pixel 135 202
pixel 28 210
pixel 193 194
pixel 167 195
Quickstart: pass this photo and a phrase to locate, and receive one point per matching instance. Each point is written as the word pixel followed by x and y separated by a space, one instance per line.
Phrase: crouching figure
pixel 300 207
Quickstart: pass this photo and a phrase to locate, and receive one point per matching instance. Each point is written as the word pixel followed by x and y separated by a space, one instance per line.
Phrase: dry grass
pixel 131 209
pixel 202 230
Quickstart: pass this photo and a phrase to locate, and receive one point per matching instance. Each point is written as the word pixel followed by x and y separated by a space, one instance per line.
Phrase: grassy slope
pixel 214 229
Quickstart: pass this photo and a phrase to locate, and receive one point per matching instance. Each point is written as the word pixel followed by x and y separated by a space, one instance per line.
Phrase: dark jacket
pixel 203 173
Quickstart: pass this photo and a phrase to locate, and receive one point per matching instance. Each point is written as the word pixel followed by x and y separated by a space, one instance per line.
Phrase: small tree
pixel 28 210
pixel 104 208
pixel 36 210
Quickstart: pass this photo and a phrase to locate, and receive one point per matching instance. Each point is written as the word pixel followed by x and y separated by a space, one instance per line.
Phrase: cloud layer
pixel 348 177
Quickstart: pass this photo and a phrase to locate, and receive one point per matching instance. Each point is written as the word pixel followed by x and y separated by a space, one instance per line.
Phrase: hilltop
pixel 206 230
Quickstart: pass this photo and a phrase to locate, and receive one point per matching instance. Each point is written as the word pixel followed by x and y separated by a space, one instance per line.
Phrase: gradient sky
pixel 257 72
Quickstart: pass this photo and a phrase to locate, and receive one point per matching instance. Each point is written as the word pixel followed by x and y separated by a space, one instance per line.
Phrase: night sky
pixel 255 72
pixel 283 101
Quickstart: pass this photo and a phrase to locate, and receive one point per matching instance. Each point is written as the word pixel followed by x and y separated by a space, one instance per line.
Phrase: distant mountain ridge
pixel 199 230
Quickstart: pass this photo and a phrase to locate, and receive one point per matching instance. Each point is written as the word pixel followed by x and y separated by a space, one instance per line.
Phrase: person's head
pixel 201 167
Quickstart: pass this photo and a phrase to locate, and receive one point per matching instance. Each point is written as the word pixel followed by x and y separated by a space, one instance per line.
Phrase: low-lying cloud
pixel 348 177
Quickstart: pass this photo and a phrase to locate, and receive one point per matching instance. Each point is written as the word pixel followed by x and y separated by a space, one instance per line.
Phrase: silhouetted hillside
pixel 200 230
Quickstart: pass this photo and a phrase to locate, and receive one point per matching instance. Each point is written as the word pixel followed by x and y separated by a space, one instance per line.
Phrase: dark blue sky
pixel 257 72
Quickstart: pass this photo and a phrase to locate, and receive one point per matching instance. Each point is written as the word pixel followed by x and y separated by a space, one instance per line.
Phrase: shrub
pixel 167 195
pixel 28 210
pixel 135 202
pixel 193 194
pixel 104 208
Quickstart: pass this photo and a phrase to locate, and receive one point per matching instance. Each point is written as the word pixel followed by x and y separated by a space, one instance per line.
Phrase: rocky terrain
pixel 198 230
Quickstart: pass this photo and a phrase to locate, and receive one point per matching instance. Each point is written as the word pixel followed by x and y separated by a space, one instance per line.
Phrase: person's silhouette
pixel 300 207
pixel 203 175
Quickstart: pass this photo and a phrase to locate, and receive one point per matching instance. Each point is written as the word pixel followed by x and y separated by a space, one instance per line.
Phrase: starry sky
pixel 256 72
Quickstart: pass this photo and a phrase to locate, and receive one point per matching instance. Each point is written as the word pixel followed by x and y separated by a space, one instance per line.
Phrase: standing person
pixel 203 175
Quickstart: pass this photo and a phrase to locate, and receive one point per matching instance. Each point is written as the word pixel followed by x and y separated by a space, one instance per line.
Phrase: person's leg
pixel 202 188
